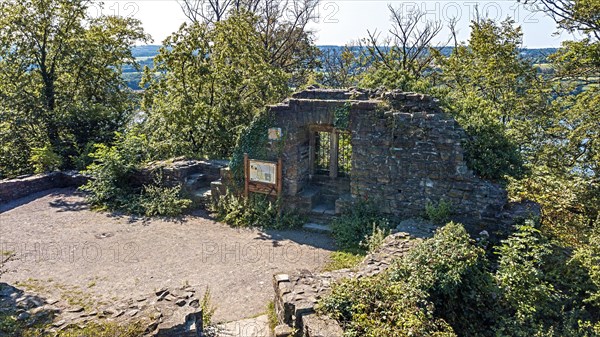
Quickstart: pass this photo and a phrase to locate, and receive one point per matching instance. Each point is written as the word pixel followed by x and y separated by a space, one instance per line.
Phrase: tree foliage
pixel 495 95
pixel 207 85
pixel 281 25
pixel 60 79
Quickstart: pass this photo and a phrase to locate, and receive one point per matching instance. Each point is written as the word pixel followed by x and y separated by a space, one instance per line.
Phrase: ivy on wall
pixel 254 141
pixel 341 117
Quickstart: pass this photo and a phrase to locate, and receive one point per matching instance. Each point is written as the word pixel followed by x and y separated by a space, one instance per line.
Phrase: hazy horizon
pixel 341 22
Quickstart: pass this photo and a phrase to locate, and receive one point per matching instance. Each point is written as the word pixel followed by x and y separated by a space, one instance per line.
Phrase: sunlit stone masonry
pixel 398 149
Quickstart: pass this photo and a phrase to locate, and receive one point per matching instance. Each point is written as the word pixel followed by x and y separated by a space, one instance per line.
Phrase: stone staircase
pixel 319 209
pixel 197 178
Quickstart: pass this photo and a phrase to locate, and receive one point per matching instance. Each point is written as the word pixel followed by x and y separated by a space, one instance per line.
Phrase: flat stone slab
pixel 317 228
pixel 251 327
pixel 324 209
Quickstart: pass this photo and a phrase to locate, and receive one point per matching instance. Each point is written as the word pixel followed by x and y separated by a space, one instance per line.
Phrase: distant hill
pixel 145 55
pixel 145 51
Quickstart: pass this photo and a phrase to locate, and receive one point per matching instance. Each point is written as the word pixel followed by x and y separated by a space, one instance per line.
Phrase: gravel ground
pixel 59 245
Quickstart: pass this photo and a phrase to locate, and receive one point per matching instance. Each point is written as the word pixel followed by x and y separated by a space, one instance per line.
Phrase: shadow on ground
pixel 316 240
pixel 5 207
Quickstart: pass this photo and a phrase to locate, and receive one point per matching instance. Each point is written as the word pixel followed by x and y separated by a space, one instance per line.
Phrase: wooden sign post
pixel 263 177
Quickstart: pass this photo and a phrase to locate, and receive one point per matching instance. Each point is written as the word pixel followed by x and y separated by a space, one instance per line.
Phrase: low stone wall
pixel 296 295
pixel 177 171
pixel 12 189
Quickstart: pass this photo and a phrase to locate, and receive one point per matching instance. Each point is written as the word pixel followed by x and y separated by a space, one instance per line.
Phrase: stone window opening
pixel 330 151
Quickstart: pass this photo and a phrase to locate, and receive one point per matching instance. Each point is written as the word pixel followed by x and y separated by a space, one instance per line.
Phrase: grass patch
pixel 8 325
pixel 272 316
pixel 104 329
pixel 344 259
pixel 74 296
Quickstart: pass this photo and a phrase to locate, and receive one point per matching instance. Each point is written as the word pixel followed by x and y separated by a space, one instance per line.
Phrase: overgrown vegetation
pixel 357 233
pixel 255 211
pixel 11 327
pixel 252 141
pixel 114 186
pixel 446 286
pixel 439 213
pixel 357 223
pixel 343 259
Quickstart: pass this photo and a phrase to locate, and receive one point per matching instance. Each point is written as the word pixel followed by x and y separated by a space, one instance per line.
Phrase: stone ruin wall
pixel 412 154
pixel 406 152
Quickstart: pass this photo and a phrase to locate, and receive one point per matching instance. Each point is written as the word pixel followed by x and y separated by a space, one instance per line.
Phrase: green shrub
pixel 255 211
pixel 544 290
pixel 373 307
pixel 344 259
pixel 357 223
pixel 374 240
pixel 44 159
pixel 490 153
pixel 113 186
pixel 166 201
pixel 446 286
pixel 521 276
pixel 439 213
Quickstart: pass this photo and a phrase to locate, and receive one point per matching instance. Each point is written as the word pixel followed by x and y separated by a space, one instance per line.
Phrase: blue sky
pixel 341 22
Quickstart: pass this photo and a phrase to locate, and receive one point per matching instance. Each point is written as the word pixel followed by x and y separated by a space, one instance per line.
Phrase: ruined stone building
pixel 397 149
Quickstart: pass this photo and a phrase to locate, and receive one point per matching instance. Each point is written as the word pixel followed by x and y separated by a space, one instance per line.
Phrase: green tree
pixel 281 25
pixel 495 95
pixel 565 162
pixel 207 85
pixel 60 78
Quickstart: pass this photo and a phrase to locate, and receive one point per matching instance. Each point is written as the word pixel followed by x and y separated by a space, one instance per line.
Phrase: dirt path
pixel 59 244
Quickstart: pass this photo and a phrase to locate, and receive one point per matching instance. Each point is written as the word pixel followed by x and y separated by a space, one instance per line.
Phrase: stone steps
pixel 202 195
pixel 195 181
pixel 322 213
pixel 317 228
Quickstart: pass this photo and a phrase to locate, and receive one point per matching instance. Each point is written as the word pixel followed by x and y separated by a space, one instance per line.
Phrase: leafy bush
pixel 254 211
pixel 113 186
pixel 357 223
pixel 375 239
pixel 344 259
pixel 44 159
pixel 159 200
pixel 440 213
pixel 490 152
pixel 446 286
pixel 451 270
